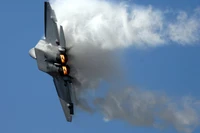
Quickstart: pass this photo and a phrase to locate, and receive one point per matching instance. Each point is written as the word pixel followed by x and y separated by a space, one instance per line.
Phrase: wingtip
pixel 46 3
pixel 69 119
pixel 47 8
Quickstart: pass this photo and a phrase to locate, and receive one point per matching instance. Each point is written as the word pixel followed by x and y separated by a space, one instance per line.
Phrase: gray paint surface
pixel 47 53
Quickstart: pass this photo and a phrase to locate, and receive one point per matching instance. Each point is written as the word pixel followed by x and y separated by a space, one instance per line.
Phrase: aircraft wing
pixel 64 94
pixel 52 33
pixel 50 23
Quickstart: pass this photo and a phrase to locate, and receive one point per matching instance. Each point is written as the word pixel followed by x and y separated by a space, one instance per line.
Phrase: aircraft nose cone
pixel 32 53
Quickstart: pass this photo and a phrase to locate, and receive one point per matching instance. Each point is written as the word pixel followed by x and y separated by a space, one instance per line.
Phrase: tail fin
pixel 62 37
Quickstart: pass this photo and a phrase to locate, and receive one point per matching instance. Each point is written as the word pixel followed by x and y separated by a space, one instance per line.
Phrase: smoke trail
pixel 109 25
pixel 151 109
pixel 97 30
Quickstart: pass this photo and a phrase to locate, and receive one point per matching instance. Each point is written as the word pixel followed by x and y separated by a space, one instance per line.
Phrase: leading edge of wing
pixel 48 12
pixel 46 6
pixel 53 31
pixel 50 24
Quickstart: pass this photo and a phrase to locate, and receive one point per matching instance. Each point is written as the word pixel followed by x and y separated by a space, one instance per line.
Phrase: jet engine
pixel 64 70
pixel 61 58
pixel 57 68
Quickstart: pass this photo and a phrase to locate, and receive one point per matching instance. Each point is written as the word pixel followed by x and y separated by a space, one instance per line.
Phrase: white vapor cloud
pixel 98 30
pixel 186 29
pixel 109 25
pixel 150 109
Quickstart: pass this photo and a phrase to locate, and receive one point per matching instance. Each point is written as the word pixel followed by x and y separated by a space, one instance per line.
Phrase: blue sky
pixel 28 99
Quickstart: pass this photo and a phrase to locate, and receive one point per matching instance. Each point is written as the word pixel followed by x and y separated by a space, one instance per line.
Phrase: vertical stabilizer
pixel 62 37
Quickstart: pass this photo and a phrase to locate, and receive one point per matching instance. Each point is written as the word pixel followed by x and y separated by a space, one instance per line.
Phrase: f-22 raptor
pixel 51 56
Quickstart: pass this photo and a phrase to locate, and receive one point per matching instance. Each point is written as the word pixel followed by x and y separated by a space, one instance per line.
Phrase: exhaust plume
pixel 98 30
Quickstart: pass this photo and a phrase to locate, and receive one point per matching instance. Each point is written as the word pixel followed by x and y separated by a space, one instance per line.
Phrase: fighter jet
pixel 51 56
